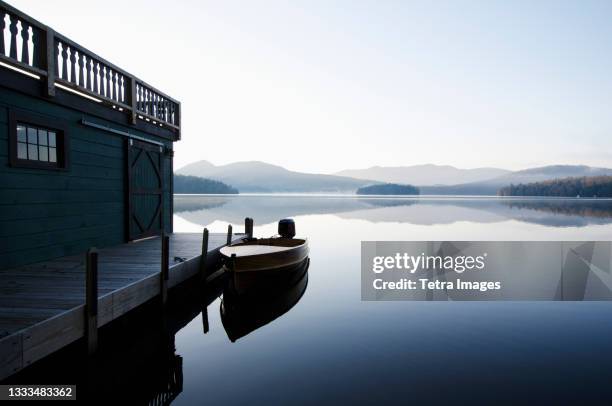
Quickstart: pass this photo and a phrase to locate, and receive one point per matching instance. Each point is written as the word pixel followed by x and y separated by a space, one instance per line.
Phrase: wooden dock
pixel 42 306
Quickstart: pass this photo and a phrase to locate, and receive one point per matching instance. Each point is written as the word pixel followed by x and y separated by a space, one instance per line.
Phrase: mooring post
pixel 91 300
pixel 248 227
pixel 203 272
pixel 229 234
pixel 165 268
pixel 204 255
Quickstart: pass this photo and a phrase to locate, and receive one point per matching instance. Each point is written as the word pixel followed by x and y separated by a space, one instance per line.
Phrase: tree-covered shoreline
pixel 388 189
pixel 588 186
pixel 195 184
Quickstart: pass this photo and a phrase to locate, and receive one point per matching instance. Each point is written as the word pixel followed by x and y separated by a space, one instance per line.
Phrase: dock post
pixel 165 268
pixel 248 227
pixel 203 272
pixel 204 255
pixel 229 234
pixel 91 300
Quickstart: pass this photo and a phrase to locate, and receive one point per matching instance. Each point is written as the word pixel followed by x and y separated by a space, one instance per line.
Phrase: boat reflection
pixel 243 313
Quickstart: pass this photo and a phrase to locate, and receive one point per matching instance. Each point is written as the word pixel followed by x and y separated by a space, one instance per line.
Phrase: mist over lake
pixel 498 218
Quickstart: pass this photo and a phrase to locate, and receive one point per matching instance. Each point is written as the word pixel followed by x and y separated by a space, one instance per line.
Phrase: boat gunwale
pixel 302 245
pixel 268 261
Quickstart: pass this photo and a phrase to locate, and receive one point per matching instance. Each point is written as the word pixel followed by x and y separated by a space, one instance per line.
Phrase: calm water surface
pixel 332 347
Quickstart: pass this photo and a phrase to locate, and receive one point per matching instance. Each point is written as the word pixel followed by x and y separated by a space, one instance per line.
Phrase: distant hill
pixel 257 176
pixel 261 177
pixel 552 172
pixel 388 189
pixel 594 186
pixel 194 184
pixel 424 174
pixel 492 186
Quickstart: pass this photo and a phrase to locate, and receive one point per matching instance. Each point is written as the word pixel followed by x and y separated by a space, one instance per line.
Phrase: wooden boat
pixel 265 254
pixel 243 313
pixel 255 262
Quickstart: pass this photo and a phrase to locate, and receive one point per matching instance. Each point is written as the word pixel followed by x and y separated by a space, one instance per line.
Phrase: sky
pixel 320 86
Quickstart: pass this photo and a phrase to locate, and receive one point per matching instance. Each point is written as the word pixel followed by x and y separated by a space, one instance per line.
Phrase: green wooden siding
pixel 46 214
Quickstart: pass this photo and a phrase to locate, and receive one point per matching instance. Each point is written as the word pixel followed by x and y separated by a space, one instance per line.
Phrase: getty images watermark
pixel 479 270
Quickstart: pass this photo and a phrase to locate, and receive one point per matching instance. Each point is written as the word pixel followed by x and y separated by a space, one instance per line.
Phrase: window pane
pixel 22 150
pixel 32 136
pixel 42 137
pixel 32 151
pixel 43 153
pixel 21 133
pixel 51 139
pixel 52 155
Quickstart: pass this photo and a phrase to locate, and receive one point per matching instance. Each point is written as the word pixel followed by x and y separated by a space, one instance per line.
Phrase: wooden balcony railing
pixel 37 49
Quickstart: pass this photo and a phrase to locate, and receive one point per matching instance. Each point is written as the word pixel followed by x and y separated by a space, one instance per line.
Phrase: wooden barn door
pixel 145 194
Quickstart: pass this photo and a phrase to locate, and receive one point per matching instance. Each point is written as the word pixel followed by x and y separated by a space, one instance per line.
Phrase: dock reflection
pixel 137 361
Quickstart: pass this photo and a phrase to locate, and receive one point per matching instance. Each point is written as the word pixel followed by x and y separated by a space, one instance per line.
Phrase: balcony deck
pixel 54 67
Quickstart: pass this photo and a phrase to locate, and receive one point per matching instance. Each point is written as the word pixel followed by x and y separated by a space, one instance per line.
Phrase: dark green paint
pixel 46 214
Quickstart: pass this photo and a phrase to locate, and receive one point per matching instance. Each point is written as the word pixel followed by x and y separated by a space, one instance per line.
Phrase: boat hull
pixel 255 263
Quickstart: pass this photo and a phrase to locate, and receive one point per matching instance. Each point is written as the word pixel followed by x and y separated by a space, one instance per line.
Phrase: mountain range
pixel 260 177
pixel 491 186
pixel 419 175
pixel 255 176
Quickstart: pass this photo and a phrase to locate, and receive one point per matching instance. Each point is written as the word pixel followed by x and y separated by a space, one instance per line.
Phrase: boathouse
pixel 86 148
pixel 86 153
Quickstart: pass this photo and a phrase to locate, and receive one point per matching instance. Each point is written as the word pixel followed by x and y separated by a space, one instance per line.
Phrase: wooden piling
pixel 204 255
pixel 229 234
pixel 165 268
pixel 91 300
pixel 248 227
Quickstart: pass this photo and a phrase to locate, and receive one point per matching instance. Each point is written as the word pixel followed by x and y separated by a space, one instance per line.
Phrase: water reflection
pixel 420 211
pixel 566 212
pixel 241 314
pixel 332 347
pixel 522 270
pixel 335 348
pixel 138 362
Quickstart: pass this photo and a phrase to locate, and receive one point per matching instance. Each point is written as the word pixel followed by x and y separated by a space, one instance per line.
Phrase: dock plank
pixel 42 305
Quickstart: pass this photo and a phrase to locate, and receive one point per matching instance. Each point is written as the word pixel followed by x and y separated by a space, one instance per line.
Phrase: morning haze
pixel 324 86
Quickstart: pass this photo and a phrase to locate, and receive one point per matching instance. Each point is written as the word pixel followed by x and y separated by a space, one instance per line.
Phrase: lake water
pixel 332 347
